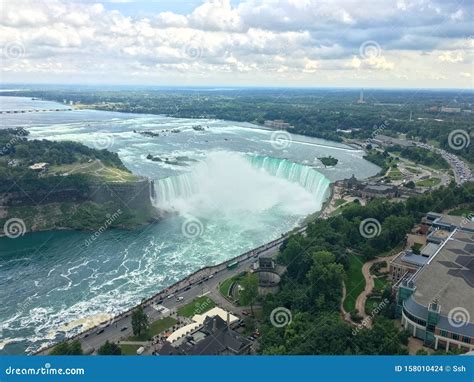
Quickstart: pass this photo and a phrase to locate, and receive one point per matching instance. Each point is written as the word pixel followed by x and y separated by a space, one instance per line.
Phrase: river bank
pixel 201 275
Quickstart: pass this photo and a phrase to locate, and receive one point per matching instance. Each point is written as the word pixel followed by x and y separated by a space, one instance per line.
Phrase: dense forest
pixel 316 262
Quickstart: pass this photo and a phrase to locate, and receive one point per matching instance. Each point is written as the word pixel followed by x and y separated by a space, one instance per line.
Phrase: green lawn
pixel 129 349
pixel 395 174
pixel 380 283
pixel 413 170
pixel 355 282
pixel 225 286
pixel 155 328
pixel 338 202
pixel 461 212
pixel 197 306
pixel 430 182
pixel 96 169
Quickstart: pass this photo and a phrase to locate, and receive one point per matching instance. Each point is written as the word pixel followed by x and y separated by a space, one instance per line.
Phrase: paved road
pixel 121 327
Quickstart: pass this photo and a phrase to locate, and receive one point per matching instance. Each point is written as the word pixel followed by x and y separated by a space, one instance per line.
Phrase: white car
pixel 170 296
pixel 180 298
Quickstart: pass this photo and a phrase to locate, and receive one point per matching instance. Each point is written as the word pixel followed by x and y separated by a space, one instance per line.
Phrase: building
pixel 213 337
pixel 277 124
pixel 269 275
pixel 445 109
pixel 447 223
pixel 435 296
pixel 39 166
pixel 405 263
pixel 376 190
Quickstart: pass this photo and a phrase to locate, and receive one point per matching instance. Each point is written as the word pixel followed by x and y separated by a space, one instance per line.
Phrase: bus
pixel 233 265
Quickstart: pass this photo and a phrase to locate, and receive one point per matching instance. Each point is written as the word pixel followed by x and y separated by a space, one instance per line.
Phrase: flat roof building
pixel 436 303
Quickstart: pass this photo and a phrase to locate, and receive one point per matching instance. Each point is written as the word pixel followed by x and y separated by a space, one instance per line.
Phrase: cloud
pixel 252 40
pixel 451 57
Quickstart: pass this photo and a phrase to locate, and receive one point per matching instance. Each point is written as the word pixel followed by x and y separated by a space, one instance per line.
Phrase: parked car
pixel 159 301
pixel 140 350
pixel 245 313
pixel 100 331
pixel 123 328
pixel 188 287
pixel 170 296
pixel 180 298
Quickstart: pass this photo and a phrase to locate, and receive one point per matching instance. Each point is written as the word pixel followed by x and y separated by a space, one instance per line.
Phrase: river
pixel 236 187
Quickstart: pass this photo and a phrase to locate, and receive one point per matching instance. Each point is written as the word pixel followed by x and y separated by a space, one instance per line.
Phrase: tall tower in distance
pixel 361 96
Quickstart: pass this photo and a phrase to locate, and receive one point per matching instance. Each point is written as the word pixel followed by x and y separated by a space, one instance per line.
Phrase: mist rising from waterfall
pixel 233 185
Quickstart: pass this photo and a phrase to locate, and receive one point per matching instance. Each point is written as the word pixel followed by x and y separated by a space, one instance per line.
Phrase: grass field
pixel 224 287
pixel 395 174
pixel 129 349
pixel 430 182
pixel 197 306
pixel 355 282
pixel 462 212
pixel 380 283
pixel 96 169
pixel 413 170
pixel 155 328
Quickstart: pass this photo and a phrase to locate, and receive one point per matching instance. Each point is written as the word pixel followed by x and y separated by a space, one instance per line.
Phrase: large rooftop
pixel 449 276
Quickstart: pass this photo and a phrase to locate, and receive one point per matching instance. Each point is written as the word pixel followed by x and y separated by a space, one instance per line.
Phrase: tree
pixel 67 348
pixel 139 321
pixel 109 348
pixel 249 291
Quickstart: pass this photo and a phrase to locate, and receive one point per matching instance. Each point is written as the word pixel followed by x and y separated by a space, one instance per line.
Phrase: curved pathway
pixel 369 282
pixel 362 298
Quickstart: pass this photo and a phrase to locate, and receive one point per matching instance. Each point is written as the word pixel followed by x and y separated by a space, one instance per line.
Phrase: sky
pixel 277 43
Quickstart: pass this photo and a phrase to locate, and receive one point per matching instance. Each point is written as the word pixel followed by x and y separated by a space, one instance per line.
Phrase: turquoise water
pixel 241 188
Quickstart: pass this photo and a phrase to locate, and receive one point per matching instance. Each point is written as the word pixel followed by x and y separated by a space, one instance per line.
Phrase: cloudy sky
pixel 375 43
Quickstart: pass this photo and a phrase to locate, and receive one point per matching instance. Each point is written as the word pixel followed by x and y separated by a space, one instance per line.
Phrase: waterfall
pixel 306 176
pixel 225 178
